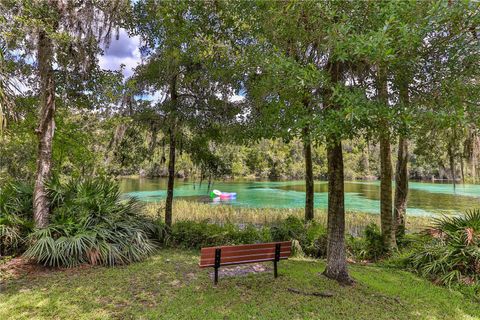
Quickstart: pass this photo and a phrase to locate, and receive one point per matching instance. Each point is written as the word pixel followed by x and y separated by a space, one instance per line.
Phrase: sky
pixel 125 51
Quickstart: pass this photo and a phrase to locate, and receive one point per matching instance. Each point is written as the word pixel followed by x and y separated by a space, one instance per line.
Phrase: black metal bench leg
pixel 218 254
pixel 277 258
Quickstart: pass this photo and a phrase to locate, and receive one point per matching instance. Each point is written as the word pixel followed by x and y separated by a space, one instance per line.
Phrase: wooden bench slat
pixel 247 257
pixel 211 254
pixel 254 245
pixel 270 256
pixel 246 247
pixel 242 262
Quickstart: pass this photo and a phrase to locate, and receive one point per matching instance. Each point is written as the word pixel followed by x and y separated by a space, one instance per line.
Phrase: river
pixel 425 199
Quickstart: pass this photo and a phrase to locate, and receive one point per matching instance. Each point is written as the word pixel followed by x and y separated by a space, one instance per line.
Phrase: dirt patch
pixel 21 267
pixel 242 270
pixel 18 267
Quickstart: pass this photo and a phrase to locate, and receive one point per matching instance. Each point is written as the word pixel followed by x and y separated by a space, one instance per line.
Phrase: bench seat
pixel 242 254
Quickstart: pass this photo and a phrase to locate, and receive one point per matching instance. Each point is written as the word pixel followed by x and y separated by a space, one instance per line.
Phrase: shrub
pixel 288 229
pixel 356 248
pixel 15 216
pixel 374 248
pixel 190 234
pixel 10 239
pixel 310 236
pixel 317 248
pixel 369 247
pixel 91 223
pixel 450 252
pixel 250 234
pixel 314 242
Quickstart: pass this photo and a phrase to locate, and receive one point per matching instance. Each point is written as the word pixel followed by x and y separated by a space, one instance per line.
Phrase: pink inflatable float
pixel 223 195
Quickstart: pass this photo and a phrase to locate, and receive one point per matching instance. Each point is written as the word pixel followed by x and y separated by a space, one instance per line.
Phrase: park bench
pixel 217 257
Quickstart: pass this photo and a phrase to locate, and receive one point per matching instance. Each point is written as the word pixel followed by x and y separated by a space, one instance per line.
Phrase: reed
pixel 221 214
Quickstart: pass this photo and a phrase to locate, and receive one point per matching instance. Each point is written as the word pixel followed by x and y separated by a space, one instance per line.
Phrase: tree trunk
pixel 401 187
pixel 451 158
pixel 462 170
pixel 474 163
pixel 386 203
pixel 366 161
pixel 474 172
pixel 336 258
pixel 401 172
pixel 171 155
pixel 45 130
pixel 309 213
pixel 473 155
pixel 153 140
pixel 171 179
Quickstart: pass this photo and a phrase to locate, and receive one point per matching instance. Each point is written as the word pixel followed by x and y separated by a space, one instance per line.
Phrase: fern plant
pixel 15 216
pixel 450 253
pixel 91 223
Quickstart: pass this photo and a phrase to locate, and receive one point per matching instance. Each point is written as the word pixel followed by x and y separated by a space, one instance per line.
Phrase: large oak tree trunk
pixel 401 186
pixel 336 257
pixel 309 196
pixel 386 171
pixel 45 130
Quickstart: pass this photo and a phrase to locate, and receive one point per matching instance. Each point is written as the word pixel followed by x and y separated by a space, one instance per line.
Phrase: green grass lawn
pixel 171 286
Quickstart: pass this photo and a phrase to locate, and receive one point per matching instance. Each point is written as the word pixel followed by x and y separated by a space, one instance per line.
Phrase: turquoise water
pixel 425 199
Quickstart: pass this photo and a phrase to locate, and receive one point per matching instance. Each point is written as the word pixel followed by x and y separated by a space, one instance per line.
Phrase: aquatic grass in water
pixel 184 210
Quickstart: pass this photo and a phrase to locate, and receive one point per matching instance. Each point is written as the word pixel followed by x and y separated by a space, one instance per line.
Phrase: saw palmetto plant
pixel 451 252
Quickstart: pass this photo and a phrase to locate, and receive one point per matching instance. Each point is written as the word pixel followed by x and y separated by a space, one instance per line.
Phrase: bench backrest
pixel 247 253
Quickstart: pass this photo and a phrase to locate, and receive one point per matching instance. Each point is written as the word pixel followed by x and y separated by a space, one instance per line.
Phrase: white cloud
pixel 236 98
pixel 124 51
